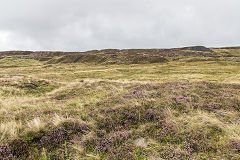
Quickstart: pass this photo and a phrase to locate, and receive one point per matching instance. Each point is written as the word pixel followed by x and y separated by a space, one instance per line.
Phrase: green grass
pixel 181 109
pixel 17 62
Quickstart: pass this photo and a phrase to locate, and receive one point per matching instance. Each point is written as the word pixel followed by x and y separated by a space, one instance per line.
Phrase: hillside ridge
pixel 123 56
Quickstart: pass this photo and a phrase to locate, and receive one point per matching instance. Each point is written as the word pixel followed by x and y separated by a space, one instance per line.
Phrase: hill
pixel 115 56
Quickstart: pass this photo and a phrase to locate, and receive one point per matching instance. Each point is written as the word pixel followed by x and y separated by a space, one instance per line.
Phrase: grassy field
pixel 187 108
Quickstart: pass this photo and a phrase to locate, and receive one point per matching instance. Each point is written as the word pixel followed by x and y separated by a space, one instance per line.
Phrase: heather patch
pixel 14 150
pixel 162 131
pixel 135 94
pixel 106 142
pixel 61 133
pixel 5 152
pixel 51 139
pixel 19 148
pixel 121 117
pixel 173 153
pixel 124 151
pixel 234 145
pixel 195 141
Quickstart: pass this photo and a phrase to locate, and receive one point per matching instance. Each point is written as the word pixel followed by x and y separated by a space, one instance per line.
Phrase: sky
pixel 80 25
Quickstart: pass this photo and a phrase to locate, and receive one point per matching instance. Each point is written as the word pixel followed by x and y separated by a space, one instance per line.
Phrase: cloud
pixel 10 41
pixel 76 25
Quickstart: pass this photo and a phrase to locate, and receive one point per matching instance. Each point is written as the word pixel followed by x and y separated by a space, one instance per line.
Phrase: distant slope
pixel 125 56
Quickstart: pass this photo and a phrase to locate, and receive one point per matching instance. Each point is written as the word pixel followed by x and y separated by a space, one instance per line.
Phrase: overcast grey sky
pixel 78 25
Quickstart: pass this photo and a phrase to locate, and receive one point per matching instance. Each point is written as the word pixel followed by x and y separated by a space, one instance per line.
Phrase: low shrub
pixel 6 152
pixel 107 142
pixel 124 152
pixel 62 133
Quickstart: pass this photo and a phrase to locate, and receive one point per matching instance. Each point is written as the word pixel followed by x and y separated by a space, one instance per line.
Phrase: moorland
pixel 180 103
